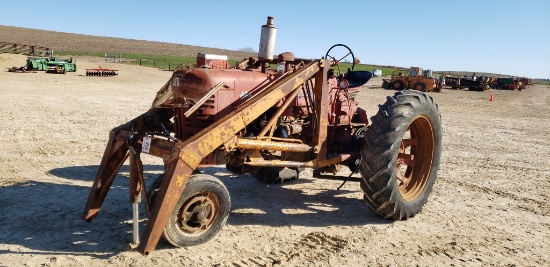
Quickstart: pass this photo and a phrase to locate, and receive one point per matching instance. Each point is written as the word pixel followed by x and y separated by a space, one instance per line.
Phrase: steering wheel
pixel 340 49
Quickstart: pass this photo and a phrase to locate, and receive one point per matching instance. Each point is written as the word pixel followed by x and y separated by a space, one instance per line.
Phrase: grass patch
pixel 171 62
pixel 145 60
pixel 540 82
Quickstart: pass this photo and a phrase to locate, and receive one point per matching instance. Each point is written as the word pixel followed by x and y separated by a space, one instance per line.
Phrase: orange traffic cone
pixel 491 97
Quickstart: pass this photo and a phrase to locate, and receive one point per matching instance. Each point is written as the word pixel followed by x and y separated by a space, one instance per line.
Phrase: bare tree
pixel 248 49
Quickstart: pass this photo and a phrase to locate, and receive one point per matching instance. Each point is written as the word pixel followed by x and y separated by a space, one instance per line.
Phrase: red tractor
pixel 269 123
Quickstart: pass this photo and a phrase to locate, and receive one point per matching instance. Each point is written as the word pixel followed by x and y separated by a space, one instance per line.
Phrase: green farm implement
pixel 51 64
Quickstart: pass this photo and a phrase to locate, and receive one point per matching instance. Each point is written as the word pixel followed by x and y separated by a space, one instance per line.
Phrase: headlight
pixel 343 84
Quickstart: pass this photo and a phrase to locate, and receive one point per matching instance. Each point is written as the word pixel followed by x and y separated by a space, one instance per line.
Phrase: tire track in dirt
pixel 541 207
pixel 468 253
pixel 315 245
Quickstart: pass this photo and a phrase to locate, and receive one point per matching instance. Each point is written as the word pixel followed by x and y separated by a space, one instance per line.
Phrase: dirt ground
pixel 490 205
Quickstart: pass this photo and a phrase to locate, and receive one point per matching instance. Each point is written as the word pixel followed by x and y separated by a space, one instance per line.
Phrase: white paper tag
pixel 146 144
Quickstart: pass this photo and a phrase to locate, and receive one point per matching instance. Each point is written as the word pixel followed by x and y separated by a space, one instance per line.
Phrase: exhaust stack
pixel 267 40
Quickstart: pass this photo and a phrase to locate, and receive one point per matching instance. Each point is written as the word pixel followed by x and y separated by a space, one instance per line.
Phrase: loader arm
pixel 182 158
pixel 194 149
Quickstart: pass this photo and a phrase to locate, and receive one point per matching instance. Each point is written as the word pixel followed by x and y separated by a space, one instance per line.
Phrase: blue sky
pixel 507 37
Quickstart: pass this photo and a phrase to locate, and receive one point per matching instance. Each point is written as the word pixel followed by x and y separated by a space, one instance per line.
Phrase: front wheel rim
pixel 397 86
pixel 198 213
pixel 415 158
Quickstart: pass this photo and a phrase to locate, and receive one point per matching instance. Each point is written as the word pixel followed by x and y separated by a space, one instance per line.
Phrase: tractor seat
pixel 358 78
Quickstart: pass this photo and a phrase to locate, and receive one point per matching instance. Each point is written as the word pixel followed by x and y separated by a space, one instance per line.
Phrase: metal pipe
pixel 135 212
pixel 273 163
pixel 288 140
pixel 269 145
pixel 294 164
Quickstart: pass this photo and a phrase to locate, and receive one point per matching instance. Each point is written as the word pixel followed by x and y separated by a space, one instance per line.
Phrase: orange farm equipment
pixel 413 78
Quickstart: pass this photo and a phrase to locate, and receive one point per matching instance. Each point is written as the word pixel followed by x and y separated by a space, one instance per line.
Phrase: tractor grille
pixel 203 117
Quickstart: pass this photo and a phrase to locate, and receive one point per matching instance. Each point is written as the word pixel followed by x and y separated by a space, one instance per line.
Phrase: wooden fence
pixel 30 50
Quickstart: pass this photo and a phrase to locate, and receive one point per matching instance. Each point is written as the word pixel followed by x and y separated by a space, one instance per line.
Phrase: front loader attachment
pixel 181 158
pixel 121 139
pixel 114 156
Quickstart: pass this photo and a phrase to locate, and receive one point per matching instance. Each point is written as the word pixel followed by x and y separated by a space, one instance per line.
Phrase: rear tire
pixel 401 155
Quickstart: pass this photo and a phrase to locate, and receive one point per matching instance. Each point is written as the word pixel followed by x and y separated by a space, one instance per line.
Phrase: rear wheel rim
pixel 198 213
pixel 415 158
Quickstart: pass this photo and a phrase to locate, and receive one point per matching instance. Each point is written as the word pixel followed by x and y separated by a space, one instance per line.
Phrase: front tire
pixel 401 155
pixel 398 85
pixel 201 211
pixel 419 87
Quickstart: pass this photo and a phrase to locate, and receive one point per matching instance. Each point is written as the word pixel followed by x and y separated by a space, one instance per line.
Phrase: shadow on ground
pixel 46 217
